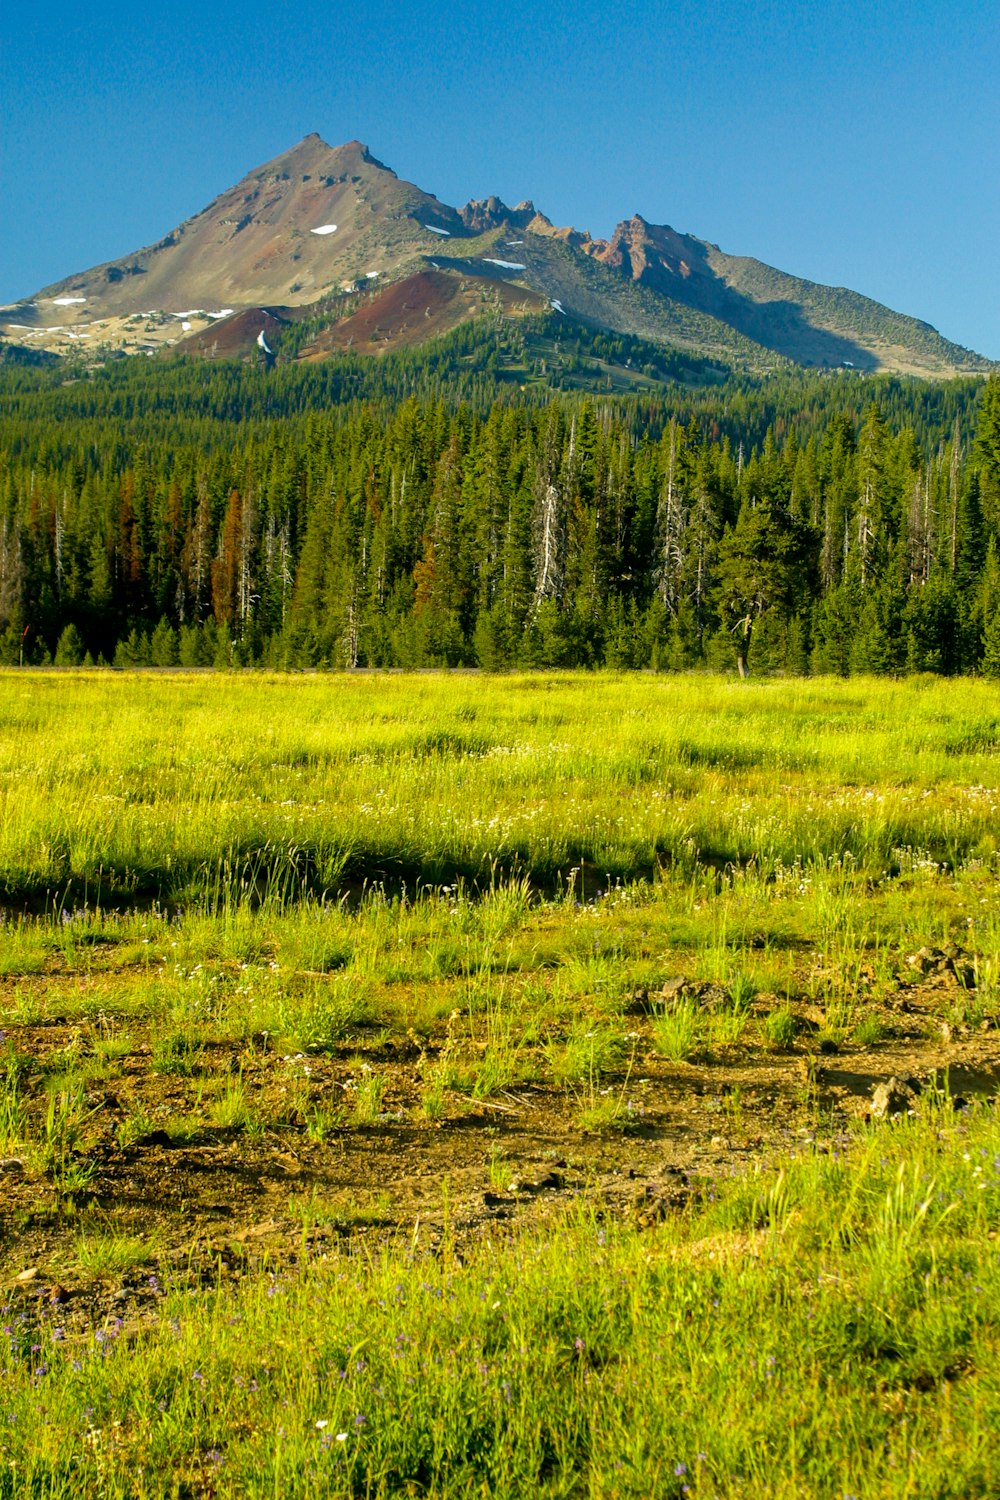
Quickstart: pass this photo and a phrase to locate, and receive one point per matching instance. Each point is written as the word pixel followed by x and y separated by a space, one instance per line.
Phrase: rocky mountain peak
pixel 482 214
pixel 332 228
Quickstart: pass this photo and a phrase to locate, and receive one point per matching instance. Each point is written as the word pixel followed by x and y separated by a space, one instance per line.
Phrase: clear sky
pixel 853 143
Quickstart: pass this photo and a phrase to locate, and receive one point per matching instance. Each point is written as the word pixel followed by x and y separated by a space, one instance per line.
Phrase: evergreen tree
pixel 70 648
pixel 330 516
pixel 760 559
pixel 986 456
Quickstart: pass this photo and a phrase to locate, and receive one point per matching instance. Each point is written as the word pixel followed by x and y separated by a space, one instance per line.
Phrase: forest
pixel 384 512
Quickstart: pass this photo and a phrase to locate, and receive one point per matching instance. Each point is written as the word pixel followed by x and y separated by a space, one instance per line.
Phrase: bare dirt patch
pixel 166 1188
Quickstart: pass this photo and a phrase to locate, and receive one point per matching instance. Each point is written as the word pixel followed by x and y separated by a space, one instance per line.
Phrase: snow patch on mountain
pixel 67 301
pixel 324 229
pixel 434 230
pixel 508 265
pixel 262 343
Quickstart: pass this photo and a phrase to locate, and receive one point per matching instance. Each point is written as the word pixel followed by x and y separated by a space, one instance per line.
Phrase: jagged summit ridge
pixel 483 214
pixel 319 226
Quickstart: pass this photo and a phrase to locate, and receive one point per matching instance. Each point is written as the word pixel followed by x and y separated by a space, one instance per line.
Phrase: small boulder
pixel 551 1182
pixel 673 989
pixel 925 959
pixel 893 1097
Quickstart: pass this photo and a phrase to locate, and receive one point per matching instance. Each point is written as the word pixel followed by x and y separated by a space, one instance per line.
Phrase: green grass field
pixel 455 1085
pixel 118 788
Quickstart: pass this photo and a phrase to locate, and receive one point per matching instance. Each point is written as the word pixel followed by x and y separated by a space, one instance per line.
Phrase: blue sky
pixel 854 144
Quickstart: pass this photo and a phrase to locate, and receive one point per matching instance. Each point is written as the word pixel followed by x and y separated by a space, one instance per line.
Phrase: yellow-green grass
pixel 223 787
pixel 860 819
pixel 216 883
pixel 828 1327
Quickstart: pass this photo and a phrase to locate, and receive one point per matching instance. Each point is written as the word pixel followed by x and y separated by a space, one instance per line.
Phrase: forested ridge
pixel 222 514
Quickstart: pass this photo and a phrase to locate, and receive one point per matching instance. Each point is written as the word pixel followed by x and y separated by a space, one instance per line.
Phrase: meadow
pixel 444 1084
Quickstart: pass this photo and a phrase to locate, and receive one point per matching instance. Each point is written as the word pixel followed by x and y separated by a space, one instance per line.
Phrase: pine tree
pixel 986 456
pixel 760 560
pixel 69 649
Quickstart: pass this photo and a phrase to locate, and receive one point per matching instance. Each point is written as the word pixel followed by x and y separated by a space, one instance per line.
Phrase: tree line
pixel 577 531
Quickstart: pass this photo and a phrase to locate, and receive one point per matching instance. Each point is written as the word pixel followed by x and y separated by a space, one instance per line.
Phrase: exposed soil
pixel 218 1201
pixel 237 337
pixel 409 312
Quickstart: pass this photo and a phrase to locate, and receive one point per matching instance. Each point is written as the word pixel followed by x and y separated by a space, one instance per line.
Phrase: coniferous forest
pixel 414 512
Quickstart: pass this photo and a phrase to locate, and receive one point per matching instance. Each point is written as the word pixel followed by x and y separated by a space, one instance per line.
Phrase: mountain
pixel 330 239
